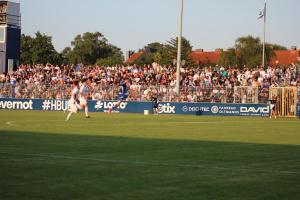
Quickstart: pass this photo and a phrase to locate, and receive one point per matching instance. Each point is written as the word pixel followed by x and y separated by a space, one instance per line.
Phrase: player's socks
pixel 86 110
pixel 69 115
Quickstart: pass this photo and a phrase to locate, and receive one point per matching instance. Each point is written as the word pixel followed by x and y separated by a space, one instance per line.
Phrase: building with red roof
pixel 206 57
pixel 134 57
pixel 285 57
pixel 200 57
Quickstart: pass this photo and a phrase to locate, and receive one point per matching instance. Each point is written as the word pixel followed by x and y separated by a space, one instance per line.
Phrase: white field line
pixel 212 122
pixel 10 124
pixel 207 167
pixel 63 123
pixel 15 123
pixel 216 122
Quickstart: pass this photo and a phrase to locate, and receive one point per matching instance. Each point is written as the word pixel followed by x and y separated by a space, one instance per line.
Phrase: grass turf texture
pixel 130 156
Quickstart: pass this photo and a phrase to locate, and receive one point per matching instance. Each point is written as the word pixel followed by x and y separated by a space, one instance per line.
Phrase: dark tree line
pixel 38 49
pixel 248 52
pixel 88 49
pixel 93 48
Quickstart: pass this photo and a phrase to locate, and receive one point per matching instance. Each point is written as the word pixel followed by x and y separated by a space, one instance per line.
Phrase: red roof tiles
pixel 205 57
pixel 134 57
pixel 283 57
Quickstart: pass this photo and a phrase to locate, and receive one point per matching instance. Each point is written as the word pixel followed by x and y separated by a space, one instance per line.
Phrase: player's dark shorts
pixel 155 105
pixel 273 108
pixel 123 96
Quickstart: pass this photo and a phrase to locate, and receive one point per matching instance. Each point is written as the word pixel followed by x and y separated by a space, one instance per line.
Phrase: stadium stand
pixel 208 84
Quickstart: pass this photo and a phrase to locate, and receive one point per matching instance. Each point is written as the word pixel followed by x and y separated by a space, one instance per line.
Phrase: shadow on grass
pixel 57 166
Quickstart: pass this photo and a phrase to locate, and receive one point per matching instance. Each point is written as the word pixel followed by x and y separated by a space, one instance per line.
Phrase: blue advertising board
pixel 139 107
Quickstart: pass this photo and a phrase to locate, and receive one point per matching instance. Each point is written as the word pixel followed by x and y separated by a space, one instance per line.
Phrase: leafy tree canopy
pixel 38 49
pixel 91 48
pixel 165 53
pixel 248 52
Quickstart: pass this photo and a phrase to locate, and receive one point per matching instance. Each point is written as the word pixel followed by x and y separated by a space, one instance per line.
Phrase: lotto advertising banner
pixel 139 107
pixel 125 107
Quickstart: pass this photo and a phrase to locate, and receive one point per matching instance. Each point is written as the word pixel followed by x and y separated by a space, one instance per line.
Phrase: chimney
pixel 199 50
pixel 293 48
pixel 219 50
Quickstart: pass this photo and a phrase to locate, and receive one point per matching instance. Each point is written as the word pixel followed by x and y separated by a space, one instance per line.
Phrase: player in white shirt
pixel 83 97
pixel 72 103
pixel 273 108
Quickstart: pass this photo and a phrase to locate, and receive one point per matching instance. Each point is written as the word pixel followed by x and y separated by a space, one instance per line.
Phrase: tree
pixel 165 54
pixel 26 49
pixel 91 48
pixel 43 50
pixel 228 57
pixel 154 47
pixel 248 52
pixel 275 47
pixel 38 50
pixel 66 53
pixel 152 53
pixel 158 57
pixel 115 56
pixel 170 51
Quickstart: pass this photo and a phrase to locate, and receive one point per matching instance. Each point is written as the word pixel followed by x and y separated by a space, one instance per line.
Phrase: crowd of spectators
pixel 207 84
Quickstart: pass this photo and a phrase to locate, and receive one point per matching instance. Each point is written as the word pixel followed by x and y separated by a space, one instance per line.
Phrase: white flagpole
pixel 179 49
pixel 264 40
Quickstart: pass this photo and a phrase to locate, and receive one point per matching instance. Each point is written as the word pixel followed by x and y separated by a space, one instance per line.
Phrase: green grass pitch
pixel 132 156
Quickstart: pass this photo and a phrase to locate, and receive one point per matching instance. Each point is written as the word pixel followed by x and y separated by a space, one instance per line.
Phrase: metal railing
pixel 142 93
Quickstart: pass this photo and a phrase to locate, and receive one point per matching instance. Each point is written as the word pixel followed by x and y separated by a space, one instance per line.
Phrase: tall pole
pixel 179 49
pixel 264 40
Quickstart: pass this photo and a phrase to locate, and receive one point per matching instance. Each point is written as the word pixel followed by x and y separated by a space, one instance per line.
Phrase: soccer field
pixel 131 156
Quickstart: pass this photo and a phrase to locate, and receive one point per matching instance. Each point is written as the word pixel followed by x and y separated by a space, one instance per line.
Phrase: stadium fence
pixel 212 94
